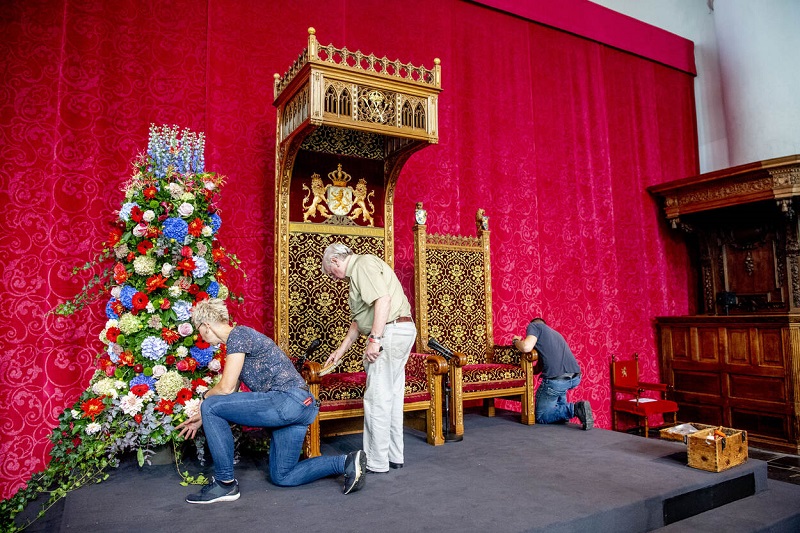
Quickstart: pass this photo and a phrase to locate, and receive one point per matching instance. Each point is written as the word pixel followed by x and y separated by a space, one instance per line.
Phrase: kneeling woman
pixel 279 400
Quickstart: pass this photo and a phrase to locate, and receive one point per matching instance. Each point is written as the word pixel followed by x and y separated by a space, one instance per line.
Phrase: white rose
pixel 116 291
pixel 149 215
pixel 185 210
pixel 166 269
pixel 209 185
pixel 185 329
pixel 159 370
pixel 214 365
pixel 208 231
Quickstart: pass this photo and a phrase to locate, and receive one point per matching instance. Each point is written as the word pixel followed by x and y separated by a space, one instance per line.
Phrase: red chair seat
pixel 491 377
pixel 645 408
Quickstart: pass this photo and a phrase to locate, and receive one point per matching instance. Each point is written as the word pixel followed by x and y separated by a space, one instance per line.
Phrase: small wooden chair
pixel 626 394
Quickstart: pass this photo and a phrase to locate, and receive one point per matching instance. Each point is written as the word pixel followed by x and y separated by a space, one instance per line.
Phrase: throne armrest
pixel 311 371
pixel 418 363
pixel 459 359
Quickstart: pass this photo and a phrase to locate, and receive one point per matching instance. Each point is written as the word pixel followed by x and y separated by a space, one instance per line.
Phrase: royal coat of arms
pixel 337 201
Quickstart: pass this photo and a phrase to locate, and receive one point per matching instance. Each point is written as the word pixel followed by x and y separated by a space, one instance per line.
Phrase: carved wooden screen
pixel 454 299
pixel 318 307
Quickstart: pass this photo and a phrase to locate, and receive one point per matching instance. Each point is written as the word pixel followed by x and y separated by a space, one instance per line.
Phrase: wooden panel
pixel 698 382
pixel 770 425
pixel 738 346
pixel 757 387
pixel 771 352
pixel 680 343
pixel 708 344
pixel 708 414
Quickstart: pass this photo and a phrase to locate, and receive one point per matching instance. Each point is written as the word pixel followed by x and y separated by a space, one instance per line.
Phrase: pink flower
pixel 185 329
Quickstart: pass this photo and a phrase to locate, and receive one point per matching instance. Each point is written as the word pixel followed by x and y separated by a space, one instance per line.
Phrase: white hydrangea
pixel 105 387
pixel 144 265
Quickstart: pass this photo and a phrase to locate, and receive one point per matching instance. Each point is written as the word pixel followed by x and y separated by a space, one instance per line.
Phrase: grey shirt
pixel 554 352
pixel 265 367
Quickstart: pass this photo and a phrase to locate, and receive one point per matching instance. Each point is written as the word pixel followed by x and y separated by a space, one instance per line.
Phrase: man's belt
pixel 564 377
pixel 401 319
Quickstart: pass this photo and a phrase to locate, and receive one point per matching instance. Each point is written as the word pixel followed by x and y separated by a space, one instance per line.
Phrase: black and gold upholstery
pixel 454 306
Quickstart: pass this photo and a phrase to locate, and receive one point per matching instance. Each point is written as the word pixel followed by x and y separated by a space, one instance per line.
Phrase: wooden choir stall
pixel 737 362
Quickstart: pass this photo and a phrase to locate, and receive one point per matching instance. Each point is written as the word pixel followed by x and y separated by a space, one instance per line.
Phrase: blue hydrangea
pixel 126 296
pixel 110 310
pixel 213 289
pixel 203 356
pixel 176 228
pixel 200 267
pixel 111 354
pixel 146 380
pixel 125 211
pixel 216 222
pixel 183 310
pixel 154 348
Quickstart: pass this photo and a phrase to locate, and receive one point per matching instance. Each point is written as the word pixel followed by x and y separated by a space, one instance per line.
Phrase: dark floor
pixel 503 477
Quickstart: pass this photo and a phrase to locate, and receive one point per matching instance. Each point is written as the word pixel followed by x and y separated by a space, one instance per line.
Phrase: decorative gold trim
pixel 306 227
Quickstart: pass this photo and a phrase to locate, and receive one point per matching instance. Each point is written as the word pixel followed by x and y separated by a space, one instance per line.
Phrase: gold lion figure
pixel 362 198
pixel 315 206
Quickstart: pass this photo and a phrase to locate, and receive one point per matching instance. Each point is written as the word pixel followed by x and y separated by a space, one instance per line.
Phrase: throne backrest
pixel 452 278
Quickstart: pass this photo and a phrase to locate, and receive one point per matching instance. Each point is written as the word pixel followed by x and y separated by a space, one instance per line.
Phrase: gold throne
pixel 347 122
pixel 454 306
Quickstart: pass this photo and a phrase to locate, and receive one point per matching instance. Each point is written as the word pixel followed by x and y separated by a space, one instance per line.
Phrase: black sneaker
pixel 215 492
pixel 354 469
pixel 583 410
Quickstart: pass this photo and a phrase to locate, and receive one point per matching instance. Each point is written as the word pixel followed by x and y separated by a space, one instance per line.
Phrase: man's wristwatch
pixel 374 338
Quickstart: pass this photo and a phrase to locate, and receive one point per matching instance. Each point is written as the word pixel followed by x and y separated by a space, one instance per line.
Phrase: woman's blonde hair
pixel 210 311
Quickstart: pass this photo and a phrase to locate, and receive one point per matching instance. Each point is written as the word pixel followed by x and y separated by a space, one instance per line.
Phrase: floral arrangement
pixel 162 256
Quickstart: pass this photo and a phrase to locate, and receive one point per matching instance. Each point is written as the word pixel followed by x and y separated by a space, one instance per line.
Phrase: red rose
pixel 139 301
pixel 144 247
pixel 112 334
pixel 169 360
pixel 110 370
pixel 200 296
pixel 165 304
pixel 187 365
pixel 138 418
pixel 194 288
pixel 150 192
pixel 196 227
pixel 136 214
pixel 165 406
pixel 140 390
pixel 186 251
pixel 138 368
pixel 184 395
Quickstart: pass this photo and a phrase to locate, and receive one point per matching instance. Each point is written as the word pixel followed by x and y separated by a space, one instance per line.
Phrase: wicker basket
pixel 715 454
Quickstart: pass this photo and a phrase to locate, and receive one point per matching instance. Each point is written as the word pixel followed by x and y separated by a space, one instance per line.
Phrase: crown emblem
pixel 339 177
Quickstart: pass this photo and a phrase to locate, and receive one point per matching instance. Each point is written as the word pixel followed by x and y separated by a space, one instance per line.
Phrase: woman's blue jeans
pixel 551 400
pixel 287 414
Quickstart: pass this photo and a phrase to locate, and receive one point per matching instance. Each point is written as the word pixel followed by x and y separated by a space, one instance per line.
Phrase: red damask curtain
pixel 555 136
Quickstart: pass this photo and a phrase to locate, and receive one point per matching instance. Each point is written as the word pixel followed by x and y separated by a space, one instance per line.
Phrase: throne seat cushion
pixel 345 390
pixel 491 376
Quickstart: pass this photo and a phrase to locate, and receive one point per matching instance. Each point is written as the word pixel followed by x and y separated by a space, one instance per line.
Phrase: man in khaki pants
pixel 378 308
